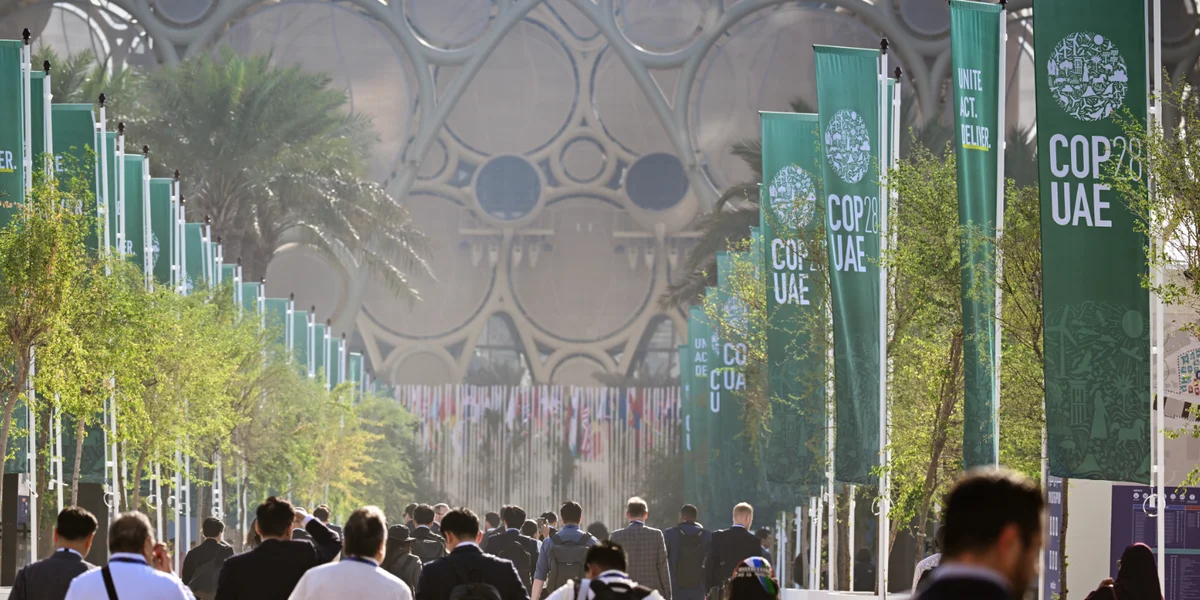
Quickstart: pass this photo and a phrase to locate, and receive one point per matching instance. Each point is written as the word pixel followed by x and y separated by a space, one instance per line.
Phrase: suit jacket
pixel 729 547
pixel 272 570
pixel 489 534
pixel 673 537
pixel 206 552
pixel 439 577
pixel 504 538
pixel 647 552
pixel 300 534
pixel 963 588
pixel 436 528
pixel 49 578
pixel 336 529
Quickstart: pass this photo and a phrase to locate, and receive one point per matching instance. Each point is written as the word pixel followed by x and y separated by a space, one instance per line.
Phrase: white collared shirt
pixel 350 579
pixel 71 551
pixel 567 591
pixel 134 580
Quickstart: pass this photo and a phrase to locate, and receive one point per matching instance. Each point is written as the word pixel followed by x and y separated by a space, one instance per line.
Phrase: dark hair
pixel 983 503
pixel 571 512
pixel 493 518
pixel 637 507
pixel 607 555
pixel 398 546
pixel 212 527
pixel 408 510
pixel 550 517
pixel 515 517
pixel 252 537
pixel 763 533
pixel 275 517
pixel 462 523
pixel 129 533
pixel 598 530
pixel 364 532
pixel 529 528
pixel 689 512
pixel 75 524
pixel 752 582
pixel 321 513
pixel 423 514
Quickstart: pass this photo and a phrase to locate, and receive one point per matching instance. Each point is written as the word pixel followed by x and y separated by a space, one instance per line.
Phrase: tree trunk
pixel 79 430
pixel 11 403
pixel 47 501
pixel 202 501
pixel 948 395
pixel 1062 544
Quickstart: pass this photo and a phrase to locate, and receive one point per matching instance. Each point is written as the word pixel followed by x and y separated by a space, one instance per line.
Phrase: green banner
pixel 113 203
pixel 228 272
pixel 734 476
pixel 134 210
pixel 162 229
pixel 18 440
pixel 700 342
pixel 1091 66
pixel 193 254
pixel 299 348
pixel 276 320
pixel 37 112
pixel 91 462
pixel 356 373
pixel 795 297
pixel 320 353
pixel 12 130
pixel 848 103
pixel 250 297
pixel 975 30
pixel 74 137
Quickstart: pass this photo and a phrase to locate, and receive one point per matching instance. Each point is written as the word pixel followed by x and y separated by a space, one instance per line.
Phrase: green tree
pixel 271 154
pixel 81 77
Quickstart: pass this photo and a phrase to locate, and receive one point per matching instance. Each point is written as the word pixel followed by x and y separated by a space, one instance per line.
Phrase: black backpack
pixel 689 567
pixel 617 590
pixel 567 560
pixel 471 586
pixel 514 552
pixel 428 550
pixel 407 567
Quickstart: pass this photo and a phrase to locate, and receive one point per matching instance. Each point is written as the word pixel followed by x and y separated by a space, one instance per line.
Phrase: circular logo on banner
pixel 735 314
pixel 1087 76
pixel 153 251
pixel 848 145
pixel 792 195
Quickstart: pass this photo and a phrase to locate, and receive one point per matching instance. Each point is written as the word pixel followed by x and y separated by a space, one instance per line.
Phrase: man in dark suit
pixel 272 570
pixel 509 541
pixel 494 522
pixel 646 549
pixel 730 547
pixel 992 535
pixel 49 578
pixel 687 545
pixel 467 564
pixel 202 564
pixel 322 514
pixel 426 545
pixel 408 517
pixel 766 540
pixel 439 511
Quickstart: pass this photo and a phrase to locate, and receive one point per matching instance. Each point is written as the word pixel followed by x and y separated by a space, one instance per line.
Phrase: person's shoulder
pixel 566 592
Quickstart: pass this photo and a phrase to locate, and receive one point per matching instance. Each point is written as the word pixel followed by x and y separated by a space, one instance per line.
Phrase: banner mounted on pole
pixel 12 129
pixel 976 47
pixel 1091 67
pixel 848 92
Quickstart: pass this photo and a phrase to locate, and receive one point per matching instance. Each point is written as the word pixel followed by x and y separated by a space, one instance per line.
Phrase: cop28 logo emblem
pixel 153 251
pixel 848 145
pixel 792 196
pixel 1087 76
pixel 736 315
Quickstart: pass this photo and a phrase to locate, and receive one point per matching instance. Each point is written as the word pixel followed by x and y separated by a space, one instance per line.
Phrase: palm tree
pixel 272 155
pixel 80 77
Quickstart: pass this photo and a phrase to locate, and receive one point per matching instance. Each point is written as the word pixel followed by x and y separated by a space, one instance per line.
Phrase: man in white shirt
pixel 606 565
pixel 139 568
pixel 357 575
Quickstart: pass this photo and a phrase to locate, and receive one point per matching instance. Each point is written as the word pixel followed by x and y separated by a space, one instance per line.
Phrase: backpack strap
pixel 109 586
pixel 557 540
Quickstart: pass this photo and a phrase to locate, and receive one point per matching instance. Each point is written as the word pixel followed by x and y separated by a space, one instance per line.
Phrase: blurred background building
pixel 557 152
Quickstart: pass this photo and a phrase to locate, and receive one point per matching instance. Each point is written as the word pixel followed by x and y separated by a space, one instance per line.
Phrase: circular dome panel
pixel 660 26
pixel 331 39
pixel 422 368
pixel 583 160
pixel 764 63
pixel 590 307
pixel 451 23
pixel 461 266
pixel 182 12
pixel 926 17
pixel 656 181
pixel 624 113
pixel 578 369
pixel 508 188
pixel 522 97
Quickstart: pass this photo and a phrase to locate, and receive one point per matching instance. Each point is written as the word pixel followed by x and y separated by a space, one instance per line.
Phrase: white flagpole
pixel 30 399
pixel 27 118
pixel 120 173
pixel 47 122
pixel 850 533
pixel 814 569
pixel 104 199
pixel 147 232
pixel 289 334
pixel 884 484
pixel 798 546
pixel 1156 394
pixel 1002 101
pixel 58 453
pixel 312 342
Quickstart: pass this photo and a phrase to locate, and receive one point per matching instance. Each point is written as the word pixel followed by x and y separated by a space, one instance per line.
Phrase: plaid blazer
pixel 646 556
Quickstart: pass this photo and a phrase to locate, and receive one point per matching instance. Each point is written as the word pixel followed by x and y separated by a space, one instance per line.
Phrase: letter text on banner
pixel 975 43
pixel 1090 61
pixel 848 107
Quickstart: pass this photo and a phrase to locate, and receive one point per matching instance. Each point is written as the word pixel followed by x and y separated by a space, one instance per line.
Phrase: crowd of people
pixel 989 541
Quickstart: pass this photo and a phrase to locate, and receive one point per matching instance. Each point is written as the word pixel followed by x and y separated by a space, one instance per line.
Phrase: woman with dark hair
pixel 1137 577
pixel 398 559
pixel 252 537
pixel 753 580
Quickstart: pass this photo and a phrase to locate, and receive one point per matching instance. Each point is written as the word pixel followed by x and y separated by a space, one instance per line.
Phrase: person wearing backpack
pixel 358 574
pixel 399 560
pixel 606 578
pixel 728 548
pixel 202 565
pixel 687 545
pixel 563 553
pixel 510 545
pixel 426 545
pixel 467 573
